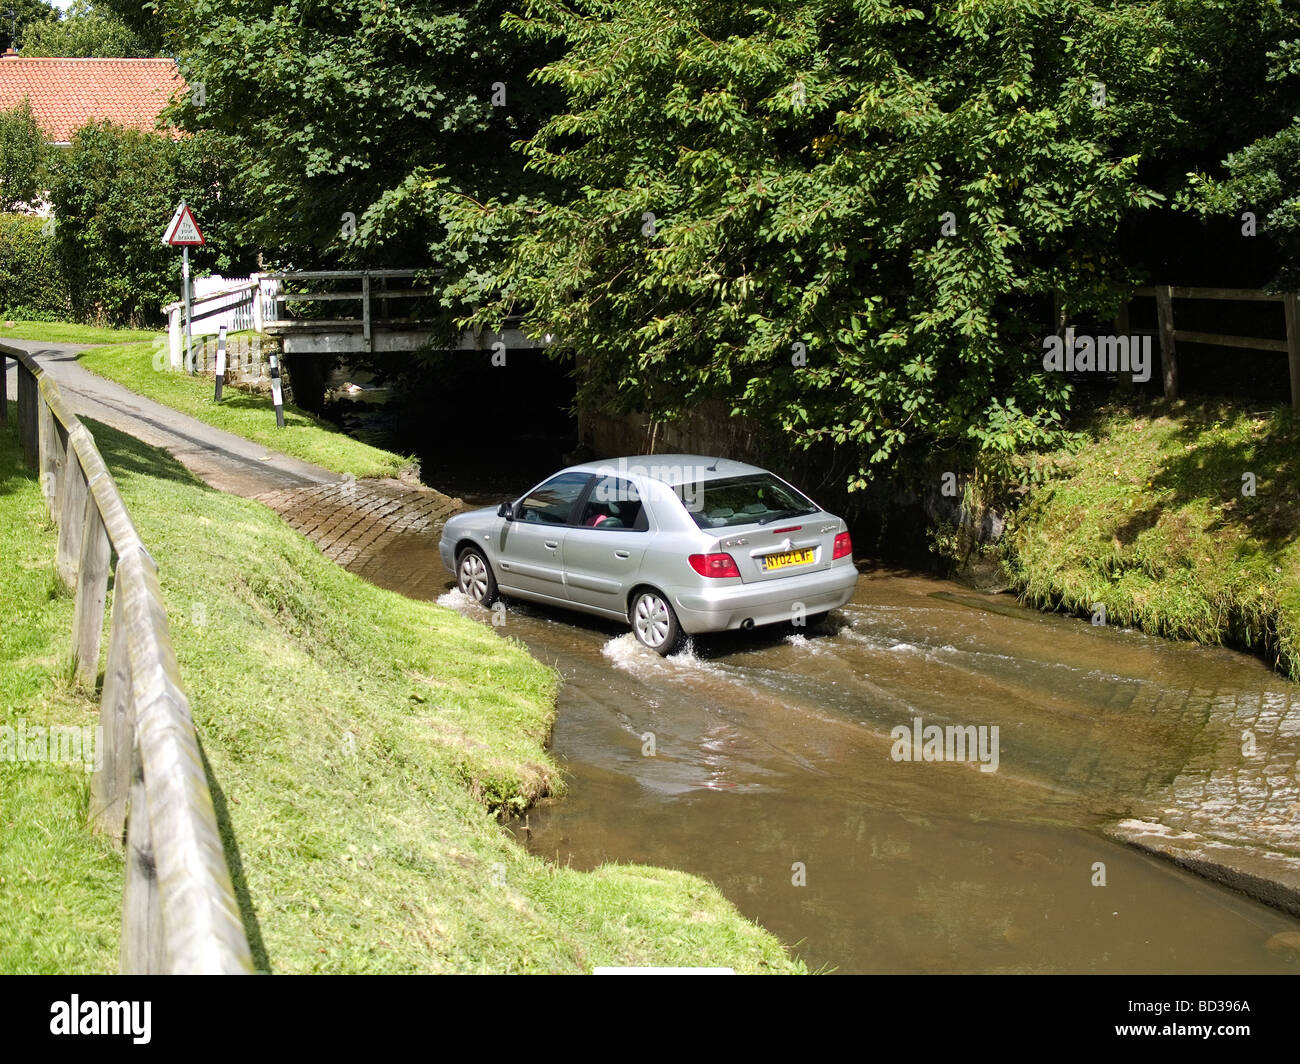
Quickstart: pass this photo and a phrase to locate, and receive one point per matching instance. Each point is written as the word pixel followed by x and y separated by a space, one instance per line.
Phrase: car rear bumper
pixel 717 609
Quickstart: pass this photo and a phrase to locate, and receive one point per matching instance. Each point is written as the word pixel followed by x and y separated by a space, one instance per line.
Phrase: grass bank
pixel 1181 519
pixel 60 886
pixel 304 436
pixel 359 743
pixel 63 332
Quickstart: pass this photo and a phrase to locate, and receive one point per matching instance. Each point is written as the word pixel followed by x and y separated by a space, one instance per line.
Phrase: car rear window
pixel 757 498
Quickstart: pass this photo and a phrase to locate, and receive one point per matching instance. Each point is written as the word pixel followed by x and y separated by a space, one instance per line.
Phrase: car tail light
pixel 714 565
pixel 843 546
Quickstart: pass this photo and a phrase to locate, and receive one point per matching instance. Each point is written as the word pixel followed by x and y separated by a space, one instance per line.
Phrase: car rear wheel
pixel 654 623
pixel 474 577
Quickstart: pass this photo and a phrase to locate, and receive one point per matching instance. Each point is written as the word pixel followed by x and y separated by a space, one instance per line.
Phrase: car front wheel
pixel 474 577
pixel 654 623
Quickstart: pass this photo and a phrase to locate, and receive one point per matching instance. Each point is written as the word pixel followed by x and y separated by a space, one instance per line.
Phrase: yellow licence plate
pixel 789 558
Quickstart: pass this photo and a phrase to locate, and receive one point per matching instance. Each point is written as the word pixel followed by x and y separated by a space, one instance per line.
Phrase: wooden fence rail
pixel 1169 335
pixel 149 791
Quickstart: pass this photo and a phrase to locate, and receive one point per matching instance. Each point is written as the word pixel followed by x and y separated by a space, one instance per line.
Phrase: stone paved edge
pixel 1265 875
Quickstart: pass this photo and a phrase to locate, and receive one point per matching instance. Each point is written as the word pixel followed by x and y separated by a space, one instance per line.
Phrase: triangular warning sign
pixel 183 228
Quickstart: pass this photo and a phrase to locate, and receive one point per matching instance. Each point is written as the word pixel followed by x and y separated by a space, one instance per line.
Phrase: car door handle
pixel 551 544
pixel 621 554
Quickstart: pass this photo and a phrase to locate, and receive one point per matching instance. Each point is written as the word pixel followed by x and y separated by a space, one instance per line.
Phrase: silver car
pixel 672 544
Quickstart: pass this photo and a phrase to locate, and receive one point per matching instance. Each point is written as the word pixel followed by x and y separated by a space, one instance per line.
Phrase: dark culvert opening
pixel 479 430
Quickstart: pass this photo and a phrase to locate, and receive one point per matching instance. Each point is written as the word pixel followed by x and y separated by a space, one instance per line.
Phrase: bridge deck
pixel 347 336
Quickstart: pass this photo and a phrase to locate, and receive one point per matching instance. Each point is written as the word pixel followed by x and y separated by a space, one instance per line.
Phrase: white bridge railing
pixel 362 311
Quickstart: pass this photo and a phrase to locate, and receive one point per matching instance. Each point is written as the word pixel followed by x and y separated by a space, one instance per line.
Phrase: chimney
pixel 8 52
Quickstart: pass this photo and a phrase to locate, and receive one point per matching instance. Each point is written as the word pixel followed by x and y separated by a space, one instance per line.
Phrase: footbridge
pixel 339 312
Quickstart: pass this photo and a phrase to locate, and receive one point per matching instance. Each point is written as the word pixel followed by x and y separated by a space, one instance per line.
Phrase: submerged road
pixel 765 761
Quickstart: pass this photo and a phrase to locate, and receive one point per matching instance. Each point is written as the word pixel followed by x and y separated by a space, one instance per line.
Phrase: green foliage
pixel 1263 176
pixel 17 15
pixel 365 107
pixel 142 18
pixel 32 286
pixel 24 157
pixel 800 162
pixel 113 193
pixel 85 31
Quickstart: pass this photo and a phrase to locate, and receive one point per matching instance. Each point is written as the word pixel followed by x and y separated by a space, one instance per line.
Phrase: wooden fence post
pixel 1291 305
pixel 27 415
pixel 1168 354
pixel 143 949
pixel 108 786
pixel 259 310
pixel 92 590
pixel 1122 326
pixel 47 446
pixel 365 311
pixel 71 506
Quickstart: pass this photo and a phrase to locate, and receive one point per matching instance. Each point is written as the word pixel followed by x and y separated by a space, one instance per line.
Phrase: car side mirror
pixel 506 510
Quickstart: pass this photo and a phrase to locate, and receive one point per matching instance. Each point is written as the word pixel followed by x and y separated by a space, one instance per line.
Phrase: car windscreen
pixel 758 498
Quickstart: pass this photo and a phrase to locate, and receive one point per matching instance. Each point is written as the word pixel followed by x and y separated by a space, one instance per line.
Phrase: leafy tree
pixel 16 15
pixel 898 193
pixel 113 193
pixel 893 193
pixel 1262 176
pixel 363 109
pixel 23 158
pixel 86 31
pixel 145 21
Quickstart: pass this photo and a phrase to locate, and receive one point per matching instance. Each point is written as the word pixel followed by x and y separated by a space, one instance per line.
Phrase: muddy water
pixel 772 749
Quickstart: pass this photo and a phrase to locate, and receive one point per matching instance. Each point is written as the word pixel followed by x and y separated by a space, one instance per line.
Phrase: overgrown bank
pixel 359 743
pixel 1180 519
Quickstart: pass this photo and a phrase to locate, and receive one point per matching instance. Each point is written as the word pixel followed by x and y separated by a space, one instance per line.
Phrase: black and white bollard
pixel 277 394
pixel 221 360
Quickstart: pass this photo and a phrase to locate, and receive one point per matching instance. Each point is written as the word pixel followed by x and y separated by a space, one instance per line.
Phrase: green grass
pixel 304 436
pixel 1150 520
pixel 62 332
pixel 60 886
pixel 359 743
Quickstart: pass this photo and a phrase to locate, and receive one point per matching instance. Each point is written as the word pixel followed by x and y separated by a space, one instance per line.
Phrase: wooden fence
pixel 1170 335
pixel 179 913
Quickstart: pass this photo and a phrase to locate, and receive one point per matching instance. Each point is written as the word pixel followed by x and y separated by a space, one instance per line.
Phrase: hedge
pixel 32 283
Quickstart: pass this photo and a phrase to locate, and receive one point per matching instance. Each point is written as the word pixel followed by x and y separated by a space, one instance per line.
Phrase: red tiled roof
pixel 67 93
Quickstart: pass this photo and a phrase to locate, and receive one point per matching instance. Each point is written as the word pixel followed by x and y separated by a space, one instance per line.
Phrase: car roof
pixel 670 469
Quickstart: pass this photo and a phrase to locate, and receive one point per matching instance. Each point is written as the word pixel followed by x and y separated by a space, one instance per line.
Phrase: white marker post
pixel 221 360
pixel 183 232
pixel 277 391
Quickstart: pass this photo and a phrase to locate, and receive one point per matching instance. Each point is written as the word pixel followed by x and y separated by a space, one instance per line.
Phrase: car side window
pixel 614 504
pixel 552 502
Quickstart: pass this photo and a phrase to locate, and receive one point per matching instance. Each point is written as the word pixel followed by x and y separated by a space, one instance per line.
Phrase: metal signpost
pixel 183 232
